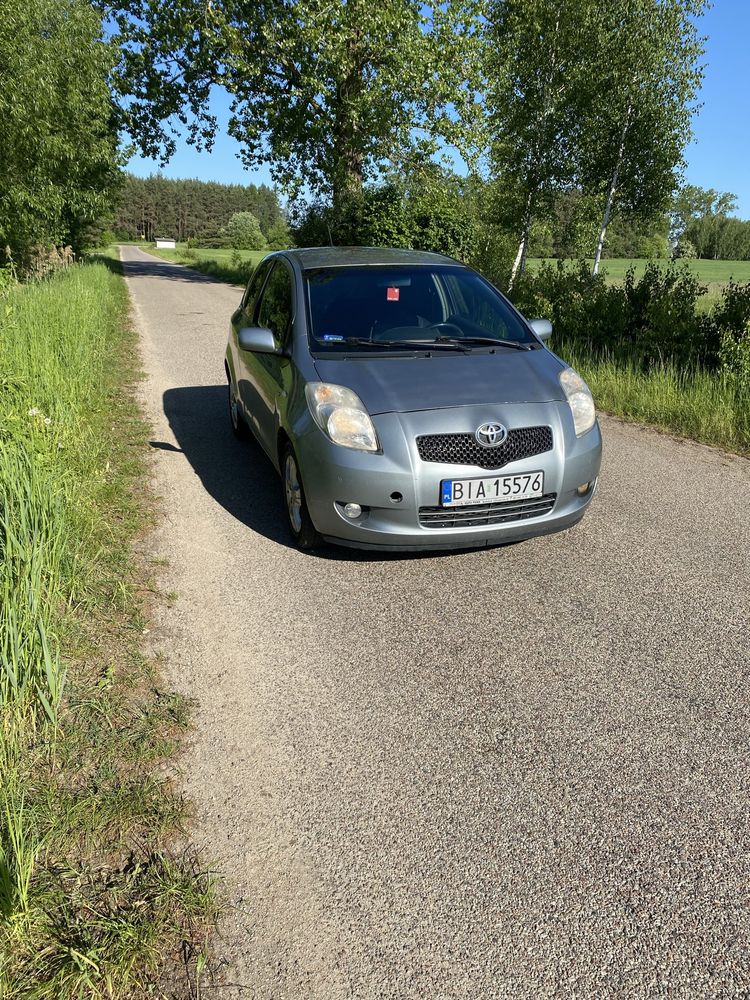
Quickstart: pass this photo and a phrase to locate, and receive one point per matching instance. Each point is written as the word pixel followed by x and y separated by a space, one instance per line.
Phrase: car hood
pixel 401 384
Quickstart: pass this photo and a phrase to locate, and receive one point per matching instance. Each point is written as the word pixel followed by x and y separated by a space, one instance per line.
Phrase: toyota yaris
pixel 406 403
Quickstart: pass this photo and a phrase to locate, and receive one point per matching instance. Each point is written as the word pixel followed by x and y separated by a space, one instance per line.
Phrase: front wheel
pixel 298 516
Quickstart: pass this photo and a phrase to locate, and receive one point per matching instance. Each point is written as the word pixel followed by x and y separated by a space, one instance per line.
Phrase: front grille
pixel 486 513
pixel 463 449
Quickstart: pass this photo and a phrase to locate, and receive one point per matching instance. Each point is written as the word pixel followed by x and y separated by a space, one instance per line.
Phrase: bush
pixel 278 236
pixel 244 233
pixel 684 250
pixel 647 318
pixel 734 358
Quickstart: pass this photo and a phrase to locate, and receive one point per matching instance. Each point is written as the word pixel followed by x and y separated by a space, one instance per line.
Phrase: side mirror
pixel 542 328
pixel 257 339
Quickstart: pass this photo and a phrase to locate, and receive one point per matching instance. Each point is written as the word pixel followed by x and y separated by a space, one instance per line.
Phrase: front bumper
pixel 391 487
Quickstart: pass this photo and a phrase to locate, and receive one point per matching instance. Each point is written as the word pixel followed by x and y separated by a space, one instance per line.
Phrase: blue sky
pixel 719 156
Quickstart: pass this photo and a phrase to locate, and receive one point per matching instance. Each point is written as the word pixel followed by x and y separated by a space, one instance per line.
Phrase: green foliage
pixel 189 209
pixel 649 317
pixel 589 98
pixel 243 232
pixel 91 899
pixel 684 249
pixel 58 143
pixel 727 327
pixel 278 236
pixel 537 59
pixel 734 359
pixel 704 405
pixel 427 211
pixel 326 94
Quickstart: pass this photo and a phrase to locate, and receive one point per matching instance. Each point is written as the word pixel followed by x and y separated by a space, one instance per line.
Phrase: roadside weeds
pixel 100 892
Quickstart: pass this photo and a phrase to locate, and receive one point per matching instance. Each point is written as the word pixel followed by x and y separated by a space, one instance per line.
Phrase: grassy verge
pixel 99 896
pixel 712 407
pixel 232 266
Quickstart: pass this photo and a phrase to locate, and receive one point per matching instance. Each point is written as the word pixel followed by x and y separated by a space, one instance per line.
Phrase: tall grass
pixel 90 899
pixel 52 358
pixel 709 406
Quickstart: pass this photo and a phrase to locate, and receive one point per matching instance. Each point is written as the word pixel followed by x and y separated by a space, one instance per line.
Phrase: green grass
pixel 707 271
pixel 97 894
pixel 232 266
pixel 711 407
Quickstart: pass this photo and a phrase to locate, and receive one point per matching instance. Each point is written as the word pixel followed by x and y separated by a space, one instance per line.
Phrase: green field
pixel 707 271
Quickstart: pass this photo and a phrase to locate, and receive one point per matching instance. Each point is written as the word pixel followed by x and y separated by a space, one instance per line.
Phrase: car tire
pixel 236 419
pixel 297 515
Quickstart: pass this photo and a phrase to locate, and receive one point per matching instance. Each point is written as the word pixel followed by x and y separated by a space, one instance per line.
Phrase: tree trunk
pixel 519 264
pixel 611 192
pixel 605 220
pixel 348 167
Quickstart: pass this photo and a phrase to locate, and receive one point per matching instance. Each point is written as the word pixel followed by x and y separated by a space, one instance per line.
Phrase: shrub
pixel 684 249
pixel 662 319
pixel 106 239
pixel 278 236
pixel 244 233
pixel 734 358
pixel 648 318
pixel 731 313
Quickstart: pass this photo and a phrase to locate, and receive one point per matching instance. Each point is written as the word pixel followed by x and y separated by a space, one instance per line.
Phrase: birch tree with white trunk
pixel 647 81
pixel 539 64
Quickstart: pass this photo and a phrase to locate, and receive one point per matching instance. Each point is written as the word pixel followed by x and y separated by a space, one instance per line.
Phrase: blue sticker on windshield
pixel 332 336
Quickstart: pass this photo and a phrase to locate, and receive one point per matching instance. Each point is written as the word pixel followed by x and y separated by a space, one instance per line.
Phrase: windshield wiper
pixel 486 340
pixel 441 344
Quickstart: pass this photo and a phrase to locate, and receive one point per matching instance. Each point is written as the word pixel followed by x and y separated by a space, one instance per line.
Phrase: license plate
pixel 497 489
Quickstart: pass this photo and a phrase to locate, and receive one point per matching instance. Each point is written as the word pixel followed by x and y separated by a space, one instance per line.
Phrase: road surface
pixel 512 773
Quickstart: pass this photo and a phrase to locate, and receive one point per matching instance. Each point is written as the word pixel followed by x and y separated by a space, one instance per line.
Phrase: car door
pixel 268 374
pixel 246 315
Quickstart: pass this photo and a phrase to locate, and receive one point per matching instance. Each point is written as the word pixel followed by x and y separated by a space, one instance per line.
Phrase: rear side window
pixel 276 306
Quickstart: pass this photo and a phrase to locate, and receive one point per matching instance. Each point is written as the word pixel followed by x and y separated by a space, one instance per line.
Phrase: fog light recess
pixel 352 511
pixel 583 489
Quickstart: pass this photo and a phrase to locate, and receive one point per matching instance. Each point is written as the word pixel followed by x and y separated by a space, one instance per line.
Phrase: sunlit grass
pixel 231 266
pixel 92 903
pixel 712 407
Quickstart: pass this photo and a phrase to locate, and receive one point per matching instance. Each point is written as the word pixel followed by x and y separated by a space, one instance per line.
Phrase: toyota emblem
pixel 491 435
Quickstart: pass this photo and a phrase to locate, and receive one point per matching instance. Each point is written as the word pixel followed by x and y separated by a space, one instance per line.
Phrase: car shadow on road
pixel 237 474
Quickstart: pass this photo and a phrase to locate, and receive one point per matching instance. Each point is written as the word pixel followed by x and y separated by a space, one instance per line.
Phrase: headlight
pixel 580 400
pixel 340 414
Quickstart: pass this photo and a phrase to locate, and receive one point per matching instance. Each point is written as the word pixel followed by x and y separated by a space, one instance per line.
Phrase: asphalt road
pixel 512 773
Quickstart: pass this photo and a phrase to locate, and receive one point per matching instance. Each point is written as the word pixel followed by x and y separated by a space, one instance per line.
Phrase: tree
pixel 243 232
pixel 638 124
pixel 327 94
pixel 538 67
pixel 58 143
pixel 691 203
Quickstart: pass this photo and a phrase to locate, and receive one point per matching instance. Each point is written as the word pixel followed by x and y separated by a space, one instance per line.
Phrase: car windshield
pixel 361 309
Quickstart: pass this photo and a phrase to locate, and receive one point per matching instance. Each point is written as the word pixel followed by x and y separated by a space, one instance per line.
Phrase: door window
pixel 276 310
pixel 254 285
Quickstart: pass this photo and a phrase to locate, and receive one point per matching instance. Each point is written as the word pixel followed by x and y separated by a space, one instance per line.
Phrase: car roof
pixel 315 257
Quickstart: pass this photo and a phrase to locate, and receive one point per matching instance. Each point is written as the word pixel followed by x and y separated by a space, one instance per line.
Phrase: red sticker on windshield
pixel 392 294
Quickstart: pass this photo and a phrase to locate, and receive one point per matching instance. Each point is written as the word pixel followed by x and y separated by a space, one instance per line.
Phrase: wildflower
pixel 34 412
pixel 48 421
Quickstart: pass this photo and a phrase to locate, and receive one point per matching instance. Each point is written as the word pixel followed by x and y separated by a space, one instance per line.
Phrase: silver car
pixel 406 403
